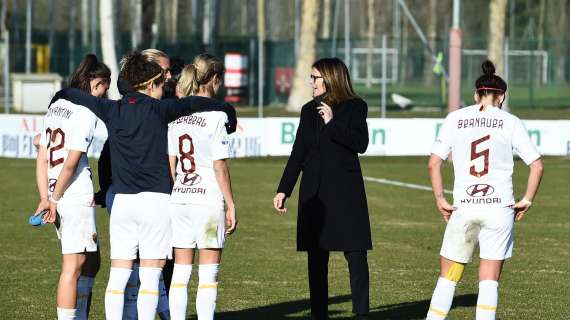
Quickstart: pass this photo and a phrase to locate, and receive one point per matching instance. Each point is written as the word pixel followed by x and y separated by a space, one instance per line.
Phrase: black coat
pixel 333 213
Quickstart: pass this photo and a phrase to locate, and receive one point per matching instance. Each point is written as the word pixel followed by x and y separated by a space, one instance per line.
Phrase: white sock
pixel 131 295
pixel 115 293
pixel 441 299
pixel 84 287
pixel 207 291
pixel 162 309
pixel 178 296
pixel 65 314
pixel 487 300
pixel 148 292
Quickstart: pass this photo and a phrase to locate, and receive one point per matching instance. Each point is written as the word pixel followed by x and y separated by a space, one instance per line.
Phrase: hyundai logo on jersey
pixel 480 190
pixel 191 179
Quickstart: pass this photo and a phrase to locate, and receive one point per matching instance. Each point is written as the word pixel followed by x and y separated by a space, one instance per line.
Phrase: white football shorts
pixel 140 222
pixel 77 230
pixel 491 228
pixel 197 226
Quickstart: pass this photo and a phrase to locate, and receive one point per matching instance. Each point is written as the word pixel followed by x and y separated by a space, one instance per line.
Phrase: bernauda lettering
pixel 479 123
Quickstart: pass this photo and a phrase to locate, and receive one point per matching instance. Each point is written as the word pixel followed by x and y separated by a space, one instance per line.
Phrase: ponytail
pixel 89 69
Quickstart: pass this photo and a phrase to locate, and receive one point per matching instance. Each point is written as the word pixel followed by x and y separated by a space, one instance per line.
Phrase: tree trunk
pixel 558 30
pixel 108 44
pixel 174 22
pixel 136 23
pixel 244 22
pixel 431 35
pixel 156 23
pixel 370 37
pixel 84 23
pixel 326 27
pixel 207 25
pixel 301 92
pixel 541 12
pixel 496 39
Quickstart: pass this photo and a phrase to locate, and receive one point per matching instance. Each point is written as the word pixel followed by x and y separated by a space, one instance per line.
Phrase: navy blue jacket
pixel 137 126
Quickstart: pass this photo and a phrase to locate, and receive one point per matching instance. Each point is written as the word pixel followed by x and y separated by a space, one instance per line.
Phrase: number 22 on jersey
pixel 52 137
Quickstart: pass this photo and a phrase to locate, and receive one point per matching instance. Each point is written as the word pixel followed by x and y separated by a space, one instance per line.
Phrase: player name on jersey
pixel 479 123
pixel 58 111
pixel 191 120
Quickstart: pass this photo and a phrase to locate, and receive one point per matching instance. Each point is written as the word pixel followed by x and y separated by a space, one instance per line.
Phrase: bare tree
pixel 108 43
pixel 558 27
pixel 173 32
pixel 136 23
pixel 84 23
pixel 156 23
pixel 496 39
pixel 300 91
pixel 370 37
pixel 541 12
pixel 432 18
pixel 326 26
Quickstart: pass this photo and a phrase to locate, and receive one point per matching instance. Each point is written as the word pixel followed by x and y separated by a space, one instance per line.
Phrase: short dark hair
pixel 140 72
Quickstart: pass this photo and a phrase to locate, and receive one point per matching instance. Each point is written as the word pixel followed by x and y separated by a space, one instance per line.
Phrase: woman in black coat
pixel 333 213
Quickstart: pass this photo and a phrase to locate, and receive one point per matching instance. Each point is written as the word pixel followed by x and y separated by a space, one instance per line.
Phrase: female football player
pixel 199 144
pixel 482 139
pixel 137 127
pixel 65 186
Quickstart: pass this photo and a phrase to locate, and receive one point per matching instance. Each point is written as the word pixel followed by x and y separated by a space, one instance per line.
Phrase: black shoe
pixel 362 317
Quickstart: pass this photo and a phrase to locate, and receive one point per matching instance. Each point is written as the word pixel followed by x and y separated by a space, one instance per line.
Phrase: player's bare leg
pixel 450 274
pixel 67 285
pixel 489 274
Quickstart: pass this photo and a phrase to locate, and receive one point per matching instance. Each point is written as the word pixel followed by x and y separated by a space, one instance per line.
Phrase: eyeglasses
pixel 314 78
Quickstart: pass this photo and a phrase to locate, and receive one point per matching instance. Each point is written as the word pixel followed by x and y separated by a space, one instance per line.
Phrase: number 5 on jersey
pixel 476 155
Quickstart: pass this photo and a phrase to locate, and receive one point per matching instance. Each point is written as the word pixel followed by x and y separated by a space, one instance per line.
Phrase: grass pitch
pixel 263 277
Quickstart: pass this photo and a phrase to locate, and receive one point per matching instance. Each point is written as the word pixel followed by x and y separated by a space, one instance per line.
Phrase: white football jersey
pixel 68 126
pixel 197 140
pixel 482 144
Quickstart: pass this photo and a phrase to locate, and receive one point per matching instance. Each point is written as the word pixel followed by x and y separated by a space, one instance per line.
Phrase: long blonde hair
pixel 200 74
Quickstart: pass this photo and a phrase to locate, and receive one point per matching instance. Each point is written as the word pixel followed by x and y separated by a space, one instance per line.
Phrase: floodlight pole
pixel 455 39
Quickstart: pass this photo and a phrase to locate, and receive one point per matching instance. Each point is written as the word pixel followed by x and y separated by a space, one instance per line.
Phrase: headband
pixel 144 84
pixel 489 88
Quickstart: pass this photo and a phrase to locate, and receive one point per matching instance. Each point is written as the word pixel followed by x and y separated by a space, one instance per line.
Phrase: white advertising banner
pixel 275 136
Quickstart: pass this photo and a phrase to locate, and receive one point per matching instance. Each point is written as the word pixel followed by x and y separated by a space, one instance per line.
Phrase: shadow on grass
pixel 286 310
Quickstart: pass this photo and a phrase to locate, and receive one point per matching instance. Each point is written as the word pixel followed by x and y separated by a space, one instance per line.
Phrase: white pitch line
pixel 403 184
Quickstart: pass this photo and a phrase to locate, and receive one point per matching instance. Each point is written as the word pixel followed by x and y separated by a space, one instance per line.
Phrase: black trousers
pixel 318 263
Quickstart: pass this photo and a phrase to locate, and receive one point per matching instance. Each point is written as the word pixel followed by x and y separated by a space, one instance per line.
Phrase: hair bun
pixel 488 67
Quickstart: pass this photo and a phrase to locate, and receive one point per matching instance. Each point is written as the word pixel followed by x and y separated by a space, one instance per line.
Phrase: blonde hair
pixel 200 73
pixel 153 55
